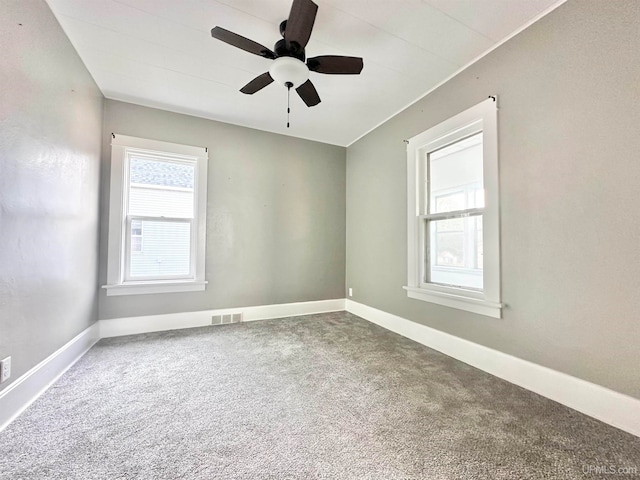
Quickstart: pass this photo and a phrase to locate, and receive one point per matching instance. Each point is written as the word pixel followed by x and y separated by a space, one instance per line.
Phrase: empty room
pixel 328 239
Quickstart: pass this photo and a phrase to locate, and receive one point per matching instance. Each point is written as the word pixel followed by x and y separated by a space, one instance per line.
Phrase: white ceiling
pixel 160 53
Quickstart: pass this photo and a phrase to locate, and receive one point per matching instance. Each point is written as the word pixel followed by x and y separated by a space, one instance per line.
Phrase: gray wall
pixel 276 214
pixel 50 137
pixel 569 177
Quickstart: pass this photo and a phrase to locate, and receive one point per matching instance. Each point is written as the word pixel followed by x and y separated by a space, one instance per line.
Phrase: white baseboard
pixel 172 321
pixel 26 389
pixel 608 406
pixel 613 408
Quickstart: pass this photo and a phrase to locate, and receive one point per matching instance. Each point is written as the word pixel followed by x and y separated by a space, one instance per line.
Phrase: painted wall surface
pixel 276 214
pixel 50 141
pixel 569 143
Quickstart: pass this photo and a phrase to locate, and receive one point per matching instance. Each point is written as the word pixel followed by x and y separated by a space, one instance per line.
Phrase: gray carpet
pixel 326 396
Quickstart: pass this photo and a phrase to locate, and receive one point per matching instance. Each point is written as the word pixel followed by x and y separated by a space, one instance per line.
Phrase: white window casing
pixel 119 249
pixel 486 300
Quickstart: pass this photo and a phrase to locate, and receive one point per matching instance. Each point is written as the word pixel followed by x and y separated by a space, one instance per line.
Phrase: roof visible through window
pixel 156 172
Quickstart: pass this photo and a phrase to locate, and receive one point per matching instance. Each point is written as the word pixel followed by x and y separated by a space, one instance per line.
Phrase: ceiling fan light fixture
pixel 289 70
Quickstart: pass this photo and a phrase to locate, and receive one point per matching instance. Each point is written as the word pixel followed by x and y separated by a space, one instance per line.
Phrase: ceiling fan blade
pixel 241 42
pixel 300 22
pixel 257 84
pixel 308 93
pixel 335 65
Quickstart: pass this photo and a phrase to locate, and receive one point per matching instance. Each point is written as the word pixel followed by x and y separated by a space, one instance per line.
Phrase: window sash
pixel 160 158
pixel 427 250
pixel 424 175
pixel 127 277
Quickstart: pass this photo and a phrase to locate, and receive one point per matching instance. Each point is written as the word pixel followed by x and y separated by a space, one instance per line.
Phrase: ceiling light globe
pixel 289 69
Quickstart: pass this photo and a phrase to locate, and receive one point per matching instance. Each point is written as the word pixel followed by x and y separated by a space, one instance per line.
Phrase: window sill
pixel 142 288
pixel 454 300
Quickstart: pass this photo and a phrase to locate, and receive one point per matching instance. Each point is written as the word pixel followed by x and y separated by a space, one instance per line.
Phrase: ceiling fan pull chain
pixel 289 85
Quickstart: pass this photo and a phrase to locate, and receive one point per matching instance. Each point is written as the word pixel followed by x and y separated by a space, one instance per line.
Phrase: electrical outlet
pixel 5 369
pixel 350 292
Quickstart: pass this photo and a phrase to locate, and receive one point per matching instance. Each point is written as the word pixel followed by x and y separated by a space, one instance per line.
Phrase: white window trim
pixel 482 116
pixel 116 283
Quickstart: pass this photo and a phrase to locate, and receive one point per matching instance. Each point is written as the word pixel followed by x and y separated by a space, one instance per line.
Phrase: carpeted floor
pixel 326 396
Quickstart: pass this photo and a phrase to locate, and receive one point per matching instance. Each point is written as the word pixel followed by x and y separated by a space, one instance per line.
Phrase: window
pixel 156 217
pixel 136 236
pixel 453 213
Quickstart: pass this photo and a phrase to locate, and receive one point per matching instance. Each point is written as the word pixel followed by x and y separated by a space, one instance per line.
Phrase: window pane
pixel 450 225
pixel 455 252
pixel 449 249
pixel 160 188
pixel 166 251
pixel 455 176
pixel 450 202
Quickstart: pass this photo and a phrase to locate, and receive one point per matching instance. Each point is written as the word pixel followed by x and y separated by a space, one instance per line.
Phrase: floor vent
pixel 226 318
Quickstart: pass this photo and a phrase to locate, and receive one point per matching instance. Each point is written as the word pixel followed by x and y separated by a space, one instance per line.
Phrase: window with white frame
pixel 157 217
pixel 453 212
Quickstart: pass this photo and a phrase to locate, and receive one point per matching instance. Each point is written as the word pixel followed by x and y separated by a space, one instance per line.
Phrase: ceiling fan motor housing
pixel 283 48
pixel 291 49
pixel 288 68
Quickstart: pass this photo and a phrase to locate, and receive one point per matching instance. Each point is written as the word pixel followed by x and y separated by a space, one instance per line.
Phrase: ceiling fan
pixel 288 55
